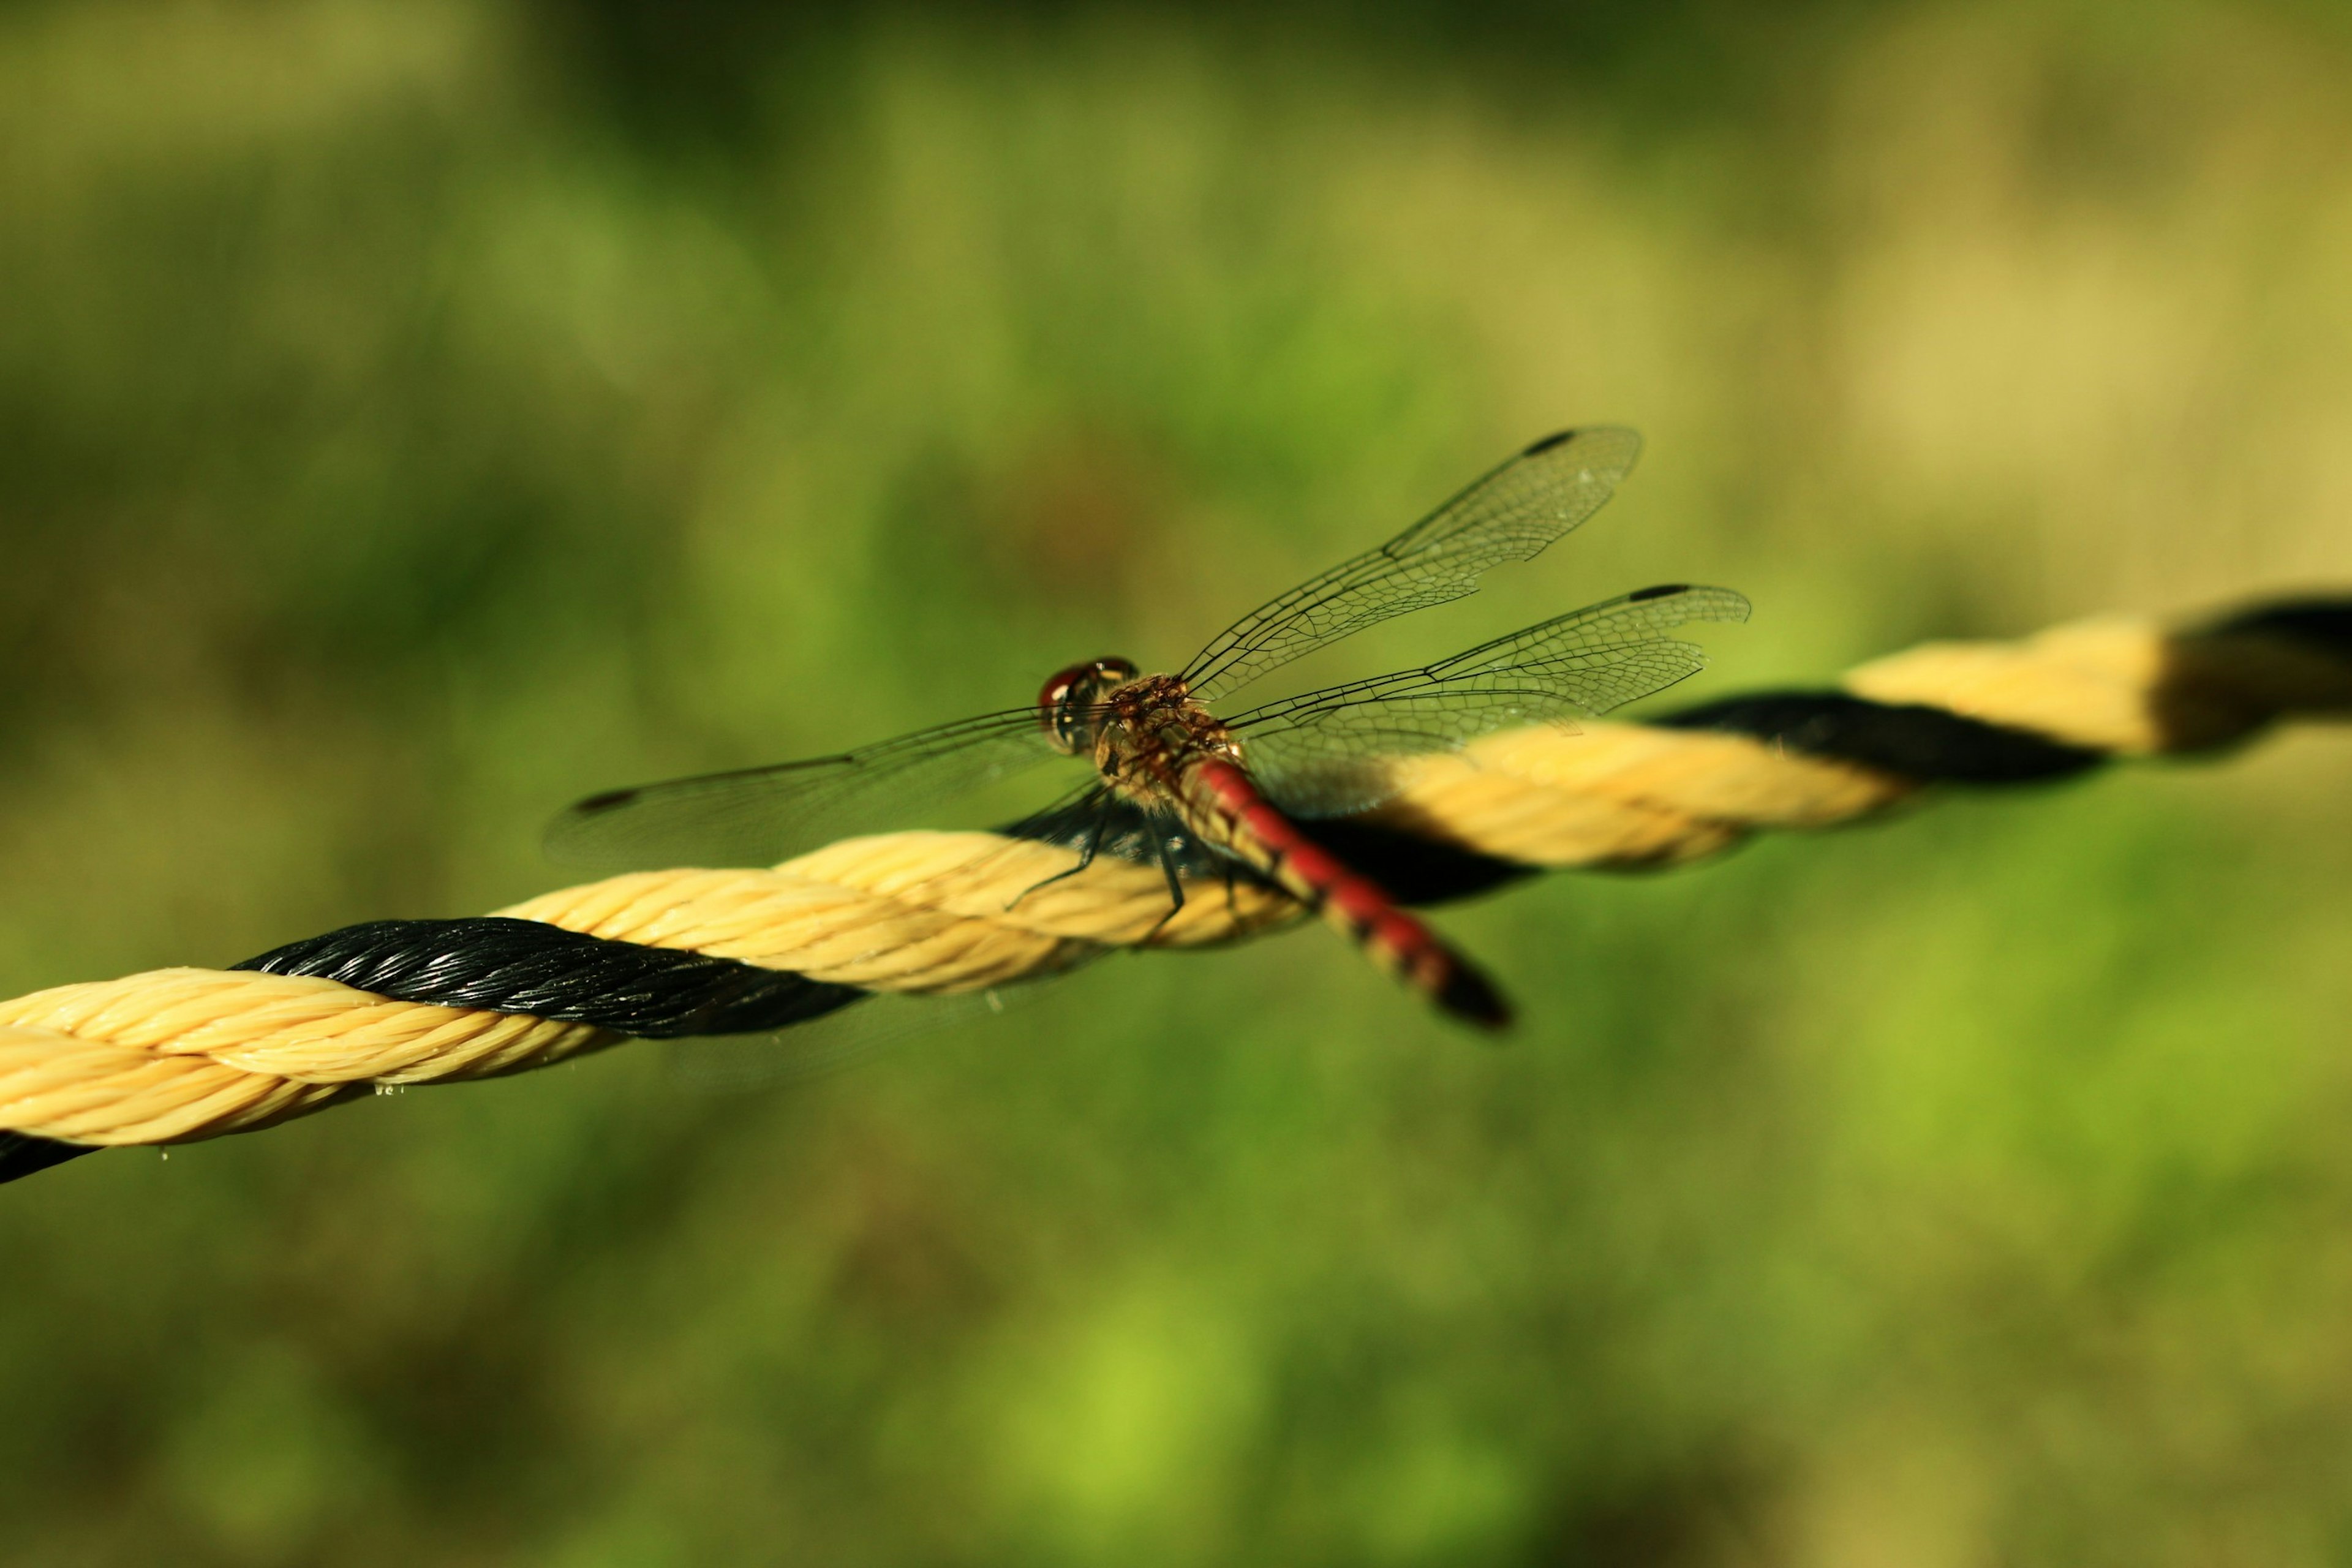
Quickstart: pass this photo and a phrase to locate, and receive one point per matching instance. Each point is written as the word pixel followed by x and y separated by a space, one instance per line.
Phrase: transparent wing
pixel 1512 514
pixel 1330 752
pixel 759 815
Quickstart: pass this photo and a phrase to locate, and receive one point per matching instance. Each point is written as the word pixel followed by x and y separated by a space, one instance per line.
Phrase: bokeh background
pixel 414 414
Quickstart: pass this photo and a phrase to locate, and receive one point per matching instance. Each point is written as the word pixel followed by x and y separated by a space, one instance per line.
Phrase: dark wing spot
pixel 1547 443
pixel 1662 591
pixel 605 802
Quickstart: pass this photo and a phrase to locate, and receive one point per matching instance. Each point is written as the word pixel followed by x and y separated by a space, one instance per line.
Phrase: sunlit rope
pixel 176 1055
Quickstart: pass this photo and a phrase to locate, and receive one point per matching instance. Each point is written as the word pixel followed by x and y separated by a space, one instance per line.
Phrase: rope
pixel 178 1054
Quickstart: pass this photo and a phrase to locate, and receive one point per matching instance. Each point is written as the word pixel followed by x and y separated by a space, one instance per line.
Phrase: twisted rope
pixel 177 1055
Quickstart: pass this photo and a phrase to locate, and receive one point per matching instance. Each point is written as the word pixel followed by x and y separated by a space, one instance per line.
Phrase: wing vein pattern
pixel 761 815
pixel 1327 752
pixel 1513 513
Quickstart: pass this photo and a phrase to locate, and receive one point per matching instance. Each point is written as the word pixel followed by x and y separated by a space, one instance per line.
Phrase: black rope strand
pixel 1931 744
pixel 2323 625
pixel 498 965
pixel 21 1154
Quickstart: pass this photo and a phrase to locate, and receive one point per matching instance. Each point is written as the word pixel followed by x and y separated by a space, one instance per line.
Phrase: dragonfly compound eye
pixel 1063 701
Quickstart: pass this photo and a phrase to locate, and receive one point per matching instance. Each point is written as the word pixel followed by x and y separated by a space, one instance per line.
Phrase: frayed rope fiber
pixel 178 1054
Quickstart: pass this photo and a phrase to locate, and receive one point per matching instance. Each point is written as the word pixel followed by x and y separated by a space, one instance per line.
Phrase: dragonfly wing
pixel 1511 514
pixel 759 815
pixel 1331 753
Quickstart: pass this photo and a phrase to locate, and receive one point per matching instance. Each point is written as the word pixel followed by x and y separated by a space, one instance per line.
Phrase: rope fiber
pixel 180 1054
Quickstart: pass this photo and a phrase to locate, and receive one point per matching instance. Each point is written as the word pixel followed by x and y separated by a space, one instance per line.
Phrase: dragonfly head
pixel 1066 705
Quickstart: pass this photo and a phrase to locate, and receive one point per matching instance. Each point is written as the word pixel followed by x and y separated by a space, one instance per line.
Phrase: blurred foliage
pixel 413 415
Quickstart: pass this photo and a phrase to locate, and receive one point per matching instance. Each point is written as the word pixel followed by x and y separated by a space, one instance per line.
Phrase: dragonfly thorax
pixel 1138 730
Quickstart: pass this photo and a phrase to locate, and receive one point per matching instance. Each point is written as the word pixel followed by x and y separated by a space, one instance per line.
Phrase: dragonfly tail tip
pixel 1473 998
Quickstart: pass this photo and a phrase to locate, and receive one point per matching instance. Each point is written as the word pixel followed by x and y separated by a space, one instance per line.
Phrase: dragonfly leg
pixel 1086 858
pixel 1175 892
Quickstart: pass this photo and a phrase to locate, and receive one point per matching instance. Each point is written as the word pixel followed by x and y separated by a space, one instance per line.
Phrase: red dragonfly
pixel 1172 781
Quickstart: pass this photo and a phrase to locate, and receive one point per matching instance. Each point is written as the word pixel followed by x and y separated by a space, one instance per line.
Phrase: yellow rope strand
pixel 176 1055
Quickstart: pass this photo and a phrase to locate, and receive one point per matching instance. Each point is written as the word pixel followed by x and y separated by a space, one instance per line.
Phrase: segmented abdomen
pixel 1260 833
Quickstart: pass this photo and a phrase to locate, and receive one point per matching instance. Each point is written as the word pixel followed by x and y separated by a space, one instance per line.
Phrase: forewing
pixel 1511 514
pixel 1330 753
pixel 761 815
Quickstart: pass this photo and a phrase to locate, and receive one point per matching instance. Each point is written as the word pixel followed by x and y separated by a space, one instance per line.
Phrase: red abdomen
pixel 1350 900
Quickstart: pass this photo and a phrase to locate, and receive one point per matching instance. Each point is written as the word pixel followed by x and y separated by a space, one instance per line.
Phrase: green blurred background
pixel 416 412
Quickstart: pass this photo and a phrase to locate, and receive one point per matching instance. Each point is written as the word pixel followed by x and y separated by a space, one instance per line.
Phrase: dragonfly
pixel 1170 778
